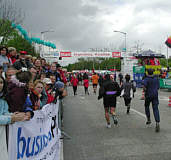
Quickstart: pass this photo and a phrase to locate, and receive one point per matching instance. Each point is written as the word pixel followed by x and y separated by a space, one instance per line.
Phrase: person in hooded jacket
pixel 17 95
pixel 109 92
pixel 151 86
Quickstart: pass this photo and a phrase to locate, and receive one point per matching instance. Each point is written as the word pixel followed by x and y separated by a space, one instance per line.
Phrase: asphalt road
pixel 131 139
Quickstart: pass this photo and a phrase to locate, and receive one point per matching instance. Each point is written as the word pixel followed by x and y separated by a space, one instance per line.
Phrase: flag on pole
pixel 168 42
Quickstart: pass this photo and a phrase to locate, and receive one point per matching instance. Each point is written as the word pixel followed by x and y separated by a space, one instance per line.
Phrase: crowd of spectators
pixel 27 84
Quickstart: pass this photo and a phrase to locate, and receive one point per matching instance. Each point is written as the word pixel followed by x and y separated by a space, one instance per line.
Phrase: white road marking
pixel 141 114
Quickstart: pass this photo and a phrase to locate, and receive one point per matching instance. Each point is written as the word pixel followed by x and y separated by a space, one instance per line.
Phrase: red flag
pixel 168 42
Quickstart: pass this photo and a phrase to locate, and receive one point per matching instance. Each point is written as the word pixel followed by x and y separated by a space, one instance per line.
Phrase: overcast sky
pixel 79 25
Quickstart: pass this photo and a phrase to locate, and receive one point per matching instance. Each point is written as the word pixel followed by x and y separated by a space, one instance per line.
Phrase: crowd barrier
pixel 36 139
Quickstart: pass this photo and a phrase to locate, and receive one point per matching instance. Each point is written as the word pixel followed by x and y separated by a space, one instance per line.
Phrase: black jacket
pixel 109 90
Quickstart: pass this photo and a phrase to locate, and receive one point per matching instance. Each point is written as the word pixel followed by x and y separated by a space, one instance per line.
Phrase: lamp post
pixel 42 36
pixel 124 35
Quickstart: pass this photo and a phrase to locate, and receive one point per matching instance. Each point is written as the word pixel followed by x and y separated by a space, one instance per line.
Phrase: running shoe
pixel 157 129
pixel 148 121
pixel 115 120
pixel 128 109
pixel 108 125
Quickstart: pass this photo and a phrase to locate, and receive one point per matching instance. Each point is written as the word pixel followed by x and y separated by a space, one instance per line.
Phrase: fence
pixel 38 138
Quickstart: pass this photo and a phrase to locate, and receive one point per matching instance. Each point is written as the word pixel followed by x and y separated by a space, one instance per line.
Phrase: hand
pixel 28 115
pixel 18 116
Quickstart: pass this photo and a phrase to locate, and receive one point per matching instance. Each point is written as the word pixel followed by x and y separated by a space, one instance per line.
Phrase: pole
pixel 125 44
pixel 42 36
pixel 42 49
pixel 167 56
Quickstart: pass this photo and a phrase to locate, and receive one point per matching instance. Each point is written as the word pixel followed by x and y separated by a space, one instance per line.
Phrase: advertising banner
pixel 65 54
pixel 165 83
pixel 92 54
pixel 138 69
pixel 36 139
pixel 157 69
pixel 116 54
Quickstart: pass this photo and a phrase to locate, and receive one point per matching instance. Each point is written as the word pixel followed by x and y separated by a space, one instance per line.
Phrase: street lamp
pixel 125 37
pixel 42 36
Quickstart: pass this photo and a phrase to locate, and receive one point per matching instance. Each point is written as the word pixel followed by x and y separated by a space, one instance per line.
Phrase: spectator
pixel 53 70
pixel 60 89
pixel 52 78
pixel 12 54
pixel 22 62
pixel 17 93
pixel 4 60
pixel 43 62
pixel 38 65
pixel 1 70
pixel 36 94
pixel 7 118
pixel 49 90
pixel 42 76
pixel 9 73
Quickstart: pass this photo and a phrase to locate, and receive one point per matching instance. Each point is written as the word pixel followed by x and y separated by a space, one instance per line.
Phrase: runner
pixel 127 91
pixel 151 86
pixel 74 82
pixel 95 78
pixel 86 83
pixel 109 91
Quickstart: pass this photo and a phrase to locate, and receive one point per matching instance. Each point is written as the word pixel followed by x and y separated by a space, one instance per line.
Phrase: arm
pixel 101 92
pixel 5 117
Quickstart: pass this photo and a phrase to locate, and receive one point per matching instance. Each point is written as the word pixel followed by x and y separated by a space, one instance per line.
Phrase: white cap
pixel 47 81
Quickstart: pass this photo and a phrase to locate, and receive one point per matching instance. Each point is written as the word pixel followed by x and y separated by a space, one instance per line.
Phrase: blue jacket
pixel 5 117
pixel 151 84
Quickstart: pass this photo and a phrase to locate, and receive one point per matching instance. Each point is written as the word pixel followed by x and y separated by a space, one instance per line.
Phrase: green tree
pixel 20 43
pixel 8 13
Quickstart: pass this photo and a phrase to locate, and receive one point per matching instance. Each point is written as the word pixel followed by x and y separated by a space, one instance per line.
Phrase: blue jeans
pixel 155 103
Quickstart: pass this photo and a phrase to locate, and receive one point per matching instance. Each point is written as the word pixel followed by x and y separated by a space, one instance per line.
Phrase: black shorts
pixel 94 85
pixel 109 103
pixel 127 101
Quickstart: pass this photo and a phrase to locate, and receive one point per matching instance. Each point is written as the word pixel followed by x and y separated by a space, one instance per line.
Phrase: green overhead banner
pixel 138 69
pixel 165 83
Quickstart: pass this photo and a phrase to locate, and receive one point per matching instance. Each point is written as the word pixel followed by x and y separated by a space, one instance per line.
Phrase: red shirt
pixel 74 81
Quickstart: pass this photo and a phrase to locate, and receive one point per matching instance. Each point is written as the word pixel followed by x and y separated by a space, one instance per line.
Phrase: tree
pixel 20 43
pixel 8 13
pixel 103 64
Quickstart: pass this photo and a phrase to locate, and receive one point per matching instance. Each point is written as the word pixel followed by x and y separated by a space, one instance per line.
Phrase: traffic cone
pixel 142 97
pixel 169 102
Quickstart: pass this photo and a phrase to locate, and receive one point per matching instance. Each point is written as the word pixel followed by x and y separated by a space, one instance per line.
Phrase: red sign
pixel 116 54
pixel 65 54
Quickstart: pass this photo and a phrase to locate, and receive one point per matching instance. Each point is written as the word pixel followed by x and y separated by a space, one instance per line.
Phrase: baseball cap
pixel 59 85
pixel 23 52
pixel 47 81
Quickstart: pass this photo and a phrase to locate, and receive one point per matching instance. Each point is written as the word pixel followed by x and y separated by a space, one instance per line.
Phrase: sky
pixel 79 25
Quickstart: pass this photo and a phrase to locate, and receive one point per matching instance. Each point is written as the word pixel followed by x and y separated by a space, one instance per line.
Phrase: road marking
pixel 141 114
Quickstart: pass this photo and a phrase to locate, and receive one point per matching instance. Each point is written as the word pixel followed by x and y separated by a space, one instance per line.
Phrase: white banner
pixel 92 54
pixel 37 139
pixel 3 145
